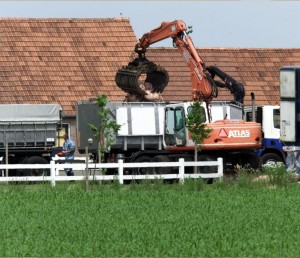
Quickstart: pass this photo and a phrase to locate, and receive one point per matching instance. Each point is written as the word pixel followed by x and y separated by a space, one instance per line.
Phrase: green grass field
pixel 227 219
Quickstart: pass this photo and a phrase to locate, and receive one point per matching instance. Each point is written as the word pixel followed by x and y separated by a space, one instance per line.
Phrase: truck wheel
pixel 161 170
pixel 271 159
pixel 251 160
pixel 37 171
pixel 207 169
pixel 142 171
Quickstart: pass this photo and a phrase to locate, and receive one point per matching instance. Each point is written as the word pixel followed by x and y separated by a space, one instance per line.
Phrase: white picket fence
pixel 88 170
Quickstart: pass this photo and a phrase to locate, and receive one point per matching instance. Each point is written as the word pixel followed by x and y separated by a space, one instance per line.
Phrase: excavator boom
pixel 165 30
pixel 204 86
pixel 236 88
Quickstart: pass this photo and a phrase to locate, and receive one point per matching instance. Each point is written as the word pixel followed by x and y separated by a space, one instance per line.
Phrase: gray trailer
pixel 141 126
pixel 28 134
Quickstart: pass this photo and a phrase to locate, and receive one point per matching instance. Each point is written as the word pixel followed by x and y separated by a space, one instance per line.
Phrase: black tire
pixel 142 171
pixel 251 160
pixel 161 170
pixel 207 169
pixel 36 172
pixel 270 159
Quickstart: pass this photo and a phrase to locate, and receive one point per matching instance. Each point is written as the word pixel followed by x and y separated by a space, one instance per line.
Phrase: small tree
pixel 106 130
pixel 197 127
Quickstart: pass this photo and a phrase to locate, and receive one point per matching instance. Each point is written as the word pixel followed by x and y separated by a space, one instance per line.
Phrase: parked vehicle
pixel 281 131
pixel 233 139
pixel 141 137
pixel 28 135
pixel 289 114
pixel 271 151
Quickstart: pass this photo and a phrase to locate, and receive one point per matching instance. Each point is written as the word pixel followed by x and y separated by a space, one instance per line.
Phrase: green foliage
pixel 181 220
pixel 199 130
pixel 194 184
pixel 278 176
pixel 245 178
pixel 107 129
pixel 240 216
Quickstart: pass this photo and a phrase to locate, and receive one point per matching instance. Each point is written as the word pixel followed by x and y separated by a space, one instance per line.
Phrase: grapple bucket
pixel 127 78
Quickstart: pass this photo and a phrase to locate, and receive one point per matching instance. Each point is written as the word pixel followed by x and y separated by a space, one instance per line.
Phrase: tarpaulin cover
pixel 29 112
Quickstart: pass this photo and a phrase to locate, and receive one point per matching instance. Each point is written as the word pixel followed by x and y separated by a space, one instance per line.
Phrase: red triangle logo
pixel 222 133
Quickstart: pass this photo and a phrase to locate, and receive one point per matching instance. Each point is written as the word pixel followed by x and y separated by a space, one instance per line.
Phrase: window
pixel 276 118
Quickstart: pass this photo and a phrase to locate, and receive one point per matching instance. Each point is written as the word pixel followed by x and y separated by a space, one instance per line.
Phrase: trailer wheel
pixel 142 171
pixel 207 169
pixel 161 170
pixel 271 159
pixel 36 171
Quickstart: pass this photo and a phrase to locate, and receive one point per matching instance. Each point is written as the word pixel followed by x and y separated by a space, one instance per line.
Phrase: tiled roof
pixel 67 60
pixel 256 69
pixel 62 60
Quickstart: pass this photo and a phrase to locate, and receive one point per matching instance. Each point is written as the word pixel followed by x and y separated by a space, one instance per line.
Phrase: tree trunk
pixel 195 158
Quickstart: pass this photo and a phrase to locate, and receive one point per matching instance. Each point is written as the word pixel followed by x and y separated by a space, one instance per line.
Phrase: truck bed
pixel 141 125
pixel 30 126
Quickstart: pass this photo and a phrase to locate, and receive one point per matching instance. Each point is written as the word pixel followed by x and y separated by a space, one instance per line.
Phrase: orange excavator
pixel 204 85
pixel 229 136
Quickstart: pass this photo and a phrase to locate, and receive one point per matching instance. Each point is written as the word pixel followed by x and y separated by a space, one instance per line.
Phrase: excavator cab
pixel 175 129
pixel 128 78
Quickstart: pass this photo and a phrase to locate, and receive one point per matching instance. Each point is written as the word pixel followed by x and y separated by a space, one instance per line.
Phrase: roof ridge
pixel 234 49
pixel 63 19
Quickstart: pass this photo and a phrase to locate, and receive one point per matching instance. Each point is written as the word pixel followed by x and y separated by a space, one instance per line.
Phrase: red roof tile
pixel 62 60
pixel 67 60
pixel 257 69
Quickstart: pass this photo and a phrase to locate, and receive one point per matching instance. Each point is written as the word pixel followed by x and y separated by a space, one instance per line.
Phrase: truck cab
pixel 268 116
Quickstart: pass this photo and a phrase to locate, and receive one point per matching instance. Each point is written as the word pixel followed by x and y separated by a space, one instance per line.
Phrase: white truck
pixel 268 116
pixel 280 125
pixel 28 134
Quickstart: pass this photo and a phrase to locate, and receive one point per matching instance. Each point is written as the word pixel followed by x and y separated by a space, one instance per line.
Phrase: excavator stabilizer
pixel 127 78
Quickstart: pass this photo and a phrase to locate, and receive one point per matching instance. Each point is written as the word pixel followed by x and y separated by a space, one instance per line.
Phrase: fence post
pixel 6 158
pixel 52 172
pixel 181 170
pixel 220 168
pixel 56 169
pixel 120 170
pixel 86 168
